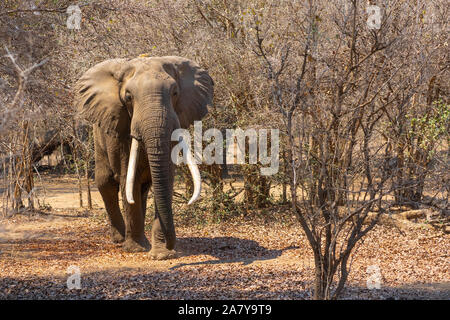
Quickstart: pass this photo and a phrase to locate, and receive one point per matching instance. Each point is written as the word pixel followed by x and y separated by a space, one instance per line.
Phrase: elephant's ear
pixel 97 98
pixel 196 90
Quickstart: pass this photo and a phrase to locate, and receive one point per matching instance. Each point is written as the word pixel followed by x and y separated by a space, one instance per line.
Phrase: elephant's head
pixel 147 99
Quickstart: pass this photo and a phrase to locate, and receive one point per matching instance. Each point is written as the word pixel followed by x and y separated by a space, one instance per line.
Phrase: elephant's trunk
pixel 158 145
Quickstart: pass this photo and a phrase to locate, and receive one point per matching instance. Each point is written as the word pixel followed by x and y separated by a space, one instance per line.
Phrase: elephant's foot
pixel 162 254
pixel 131 245
pixel 160 250
pixel 117 236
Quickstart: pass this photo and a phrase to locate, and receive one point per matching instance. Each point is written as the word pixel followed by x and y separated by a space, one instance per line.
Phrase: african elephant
pixel 134 106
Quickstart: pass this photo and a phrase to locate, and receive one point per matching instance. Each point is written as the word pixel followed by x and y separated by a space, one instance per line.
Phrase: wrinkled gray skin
pixel 144 98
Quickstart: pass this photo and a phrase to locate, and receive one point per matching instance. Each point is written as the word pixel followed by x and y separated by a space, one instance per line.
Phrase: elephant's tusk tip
pixel 193 199
pixel 130 199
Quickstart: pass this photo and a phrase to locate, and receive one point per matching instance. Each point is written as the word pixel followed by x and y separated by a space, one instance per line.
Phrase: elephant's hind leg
pixel 145 188
pixel 109 190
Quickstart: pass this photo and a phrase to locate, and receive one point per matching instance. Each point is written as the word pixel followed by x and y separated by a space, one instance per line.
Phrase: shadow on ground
pixel 225 250
pixel 190 284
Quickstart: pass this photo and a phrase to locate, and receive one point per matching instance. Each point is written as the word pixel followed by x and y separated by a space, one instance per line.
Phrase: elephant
pixel 134 105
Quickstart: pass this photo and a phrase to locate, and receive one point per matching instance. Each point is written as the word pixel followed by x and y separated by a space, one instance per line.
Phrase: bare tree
pixel 333 83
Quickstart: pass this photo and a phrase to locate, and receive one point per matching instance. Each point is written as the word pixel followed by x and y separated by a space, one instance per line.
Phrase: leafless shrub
pixel 23 57
pixel 333 80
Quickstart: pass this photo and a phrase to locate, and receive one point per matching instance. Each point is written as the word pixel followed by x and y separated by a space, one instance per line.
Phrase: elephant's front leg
pixel 110 197
pixel 159 250
pixel 135 240
pixel 109 190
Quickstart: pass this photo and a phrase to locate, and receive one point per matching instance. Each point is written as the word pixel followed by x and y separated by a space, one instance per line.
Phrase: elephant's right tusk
pixel 131 173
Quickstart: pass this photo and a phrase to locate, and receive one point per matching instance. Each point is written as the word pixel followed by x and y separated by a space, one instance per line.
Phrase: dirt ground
pixel 243 258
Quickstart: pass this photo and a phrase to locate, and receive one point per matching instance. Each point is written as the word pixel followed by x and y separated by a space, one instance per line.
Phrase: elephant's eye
pixel 128 97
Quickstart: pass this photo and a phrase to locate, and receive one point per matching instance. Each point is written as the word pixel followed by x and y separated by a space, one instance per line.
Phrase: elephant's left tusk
pixel 193 168
pixel 131 173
